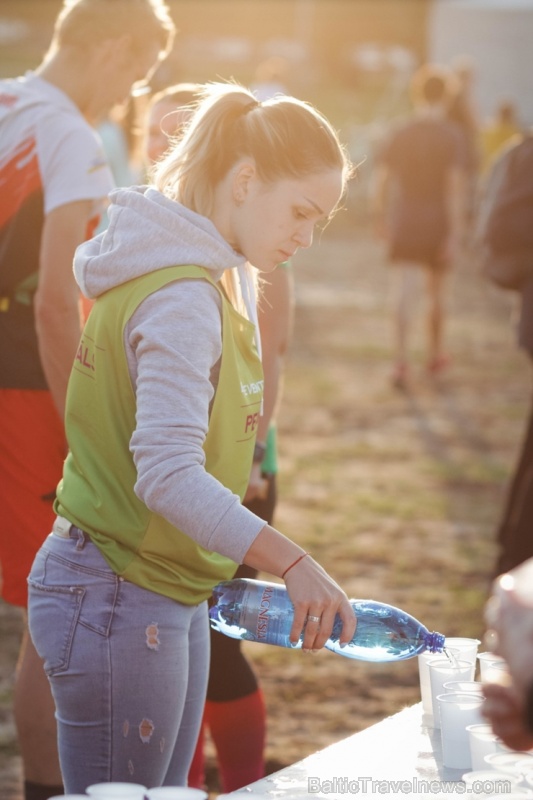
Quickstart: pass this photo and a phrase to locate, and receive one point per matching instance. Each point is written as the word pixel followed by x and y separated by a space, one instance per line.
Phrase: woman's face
pixel 164 120
pixel 271 221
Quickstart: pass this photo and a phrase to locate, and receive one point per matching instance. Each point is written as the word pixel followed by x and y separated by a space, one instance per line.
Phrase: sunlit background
pixel 352 56
pixel 425 472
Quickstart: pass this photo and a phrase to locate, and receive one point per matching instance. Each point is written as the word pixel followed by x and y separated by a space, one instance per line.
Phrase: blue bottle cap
pixel 435 642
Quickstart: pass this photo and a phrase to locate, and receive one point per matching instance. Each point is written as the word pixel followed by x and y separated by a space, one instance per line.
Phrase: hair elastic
pixel 250 106
pixel 294 564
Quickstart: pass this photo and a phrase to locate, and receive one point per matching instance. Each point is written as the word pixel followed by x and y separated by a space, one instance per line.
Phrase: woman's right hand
pixel 313 593
pixel 317 599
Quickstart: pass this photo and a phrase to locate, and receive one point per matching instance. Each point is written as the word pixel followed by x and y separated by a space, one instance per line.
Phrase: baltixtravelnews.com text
pixel 362 785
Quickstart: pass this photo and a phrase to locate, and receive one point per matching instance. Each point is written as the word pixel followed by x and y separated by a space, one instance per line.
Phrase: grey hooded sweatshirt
pixel 173 344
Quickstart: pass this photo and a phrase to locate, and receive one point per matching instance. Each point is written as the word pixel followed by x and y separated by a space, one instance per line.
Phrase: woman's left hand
pixel 257 485
pixel 504 708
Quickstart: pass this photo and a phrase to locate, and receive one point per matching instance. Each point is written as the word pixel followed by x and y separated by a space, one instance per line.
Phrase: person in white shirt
pixel 55 182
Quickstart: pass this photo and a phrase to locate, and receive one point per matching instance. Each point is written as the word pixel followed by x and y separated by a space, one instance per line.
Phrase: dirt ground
pixel 398 494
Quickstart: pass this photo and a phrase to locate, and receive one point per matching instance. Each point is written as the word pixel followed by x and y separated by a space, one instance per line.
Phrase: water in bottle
pixel 259 611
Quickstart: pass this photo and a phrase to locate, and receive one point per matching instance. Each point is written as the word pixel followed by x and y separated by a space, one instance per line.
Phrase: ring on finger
pixel 311 618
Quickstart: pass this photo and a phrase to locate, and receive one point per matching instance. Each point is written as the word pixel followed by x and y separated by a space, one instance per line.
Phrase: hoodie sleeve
pixel 174 345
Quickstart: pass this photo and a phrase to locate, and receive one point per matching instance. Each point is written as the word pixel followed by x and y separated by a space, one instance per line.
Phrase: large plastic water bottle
pixel 259 611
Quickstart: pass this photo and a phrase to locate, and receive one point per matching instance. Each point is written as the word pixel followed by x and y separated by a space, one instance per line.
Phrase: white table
pixel 398 757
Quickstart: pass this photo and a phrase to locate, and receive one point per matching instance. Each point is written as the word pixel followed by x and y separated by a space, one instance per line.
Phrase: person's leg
pixel 235 708
pixel 196 777
pixel 32 450
pixel 436 285
pixel 118 660
pixel 189 730
pixel 238 730
pixel 33 709
pixel 405 277
pixel 234 714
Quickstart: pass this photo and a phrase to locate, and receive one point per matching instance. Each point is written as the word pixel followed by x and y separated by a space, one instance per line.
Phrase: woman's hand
pixel 315 596
pixel 317 599
pixel 257 485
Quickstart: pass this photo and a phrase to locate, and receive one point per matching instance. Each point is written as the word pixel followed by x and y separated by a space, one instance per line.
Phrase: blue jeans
pixel 128 668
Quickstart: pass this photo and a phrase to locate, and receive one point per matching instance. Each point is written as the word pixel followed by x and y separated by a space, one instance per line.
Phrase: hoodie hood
pixel 147 231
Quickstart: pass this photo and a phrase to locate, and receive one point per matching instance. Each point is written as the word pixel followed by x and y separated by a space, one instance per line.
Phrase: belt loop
pixel 82 537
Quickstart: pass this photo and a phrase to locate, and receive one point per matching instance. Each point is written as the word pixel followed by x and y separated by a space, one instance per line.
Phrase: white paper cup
pixel 493 760
pixel 424 660
pixel 511 762
pixel 520 766
pixel 470 687
pixel 176 793
pixel 482 782
pixel 527 779
pixel 457 711
pixel 443 671
pixel 483 741
pixel 116 791
pixel 497 672
pixel 484 660
pixel 467 647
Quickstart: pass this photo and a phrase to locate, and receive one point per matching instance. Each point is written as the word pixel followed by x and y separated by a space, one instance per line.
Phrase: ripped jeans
pixel 128 668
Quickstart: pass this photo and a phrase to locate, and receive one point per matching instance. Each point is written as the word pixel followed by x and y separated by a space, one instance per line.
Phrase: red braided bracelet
pixel 294 564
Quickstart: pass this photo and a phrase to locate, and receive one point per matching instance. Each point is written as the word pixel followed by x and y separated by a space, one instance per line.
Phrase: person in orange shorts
pixel 55 180
pixel 29 465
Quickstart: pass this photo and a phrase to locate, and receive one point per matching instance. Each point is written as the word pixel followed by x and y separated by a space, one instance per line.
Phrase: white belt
pixel 61 527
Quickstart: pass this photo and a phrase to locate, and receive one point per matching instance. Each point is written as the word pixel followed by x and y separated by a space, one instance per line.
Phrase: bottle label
pixel 267 614
pixel 265 602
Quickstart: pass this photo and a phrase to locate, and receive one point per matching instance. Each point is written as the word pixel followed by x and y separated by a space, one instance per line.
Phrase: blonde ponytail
pixel 286 138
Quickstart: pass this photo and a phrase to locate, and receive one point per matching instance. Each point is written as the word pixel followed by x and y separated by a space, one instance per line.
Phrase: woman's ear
pixel 244 174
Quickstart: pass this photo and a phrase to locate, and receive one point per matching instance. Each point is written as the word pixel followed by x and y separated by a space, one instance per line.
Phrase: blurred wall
pixel 327 30
pixel 498 37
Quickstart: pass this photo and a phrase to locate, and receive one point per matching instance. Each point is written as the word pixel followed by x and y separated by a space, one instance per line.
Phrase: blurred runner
pixel 417 202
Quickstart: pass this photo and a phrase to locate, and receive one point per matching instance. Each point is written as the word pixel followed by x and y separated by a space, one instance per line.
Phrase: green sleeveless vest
pixel 96 492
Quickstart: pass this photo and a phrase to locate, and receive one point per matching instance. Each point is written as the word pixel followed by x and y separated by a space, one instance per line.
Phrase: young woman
pixel 162 411
pixel 235 712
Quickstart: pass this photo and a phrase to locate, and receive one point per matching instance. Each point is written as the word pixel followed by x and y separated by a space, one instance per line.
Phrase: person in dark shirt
pixel 511 226
pixel 417 202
